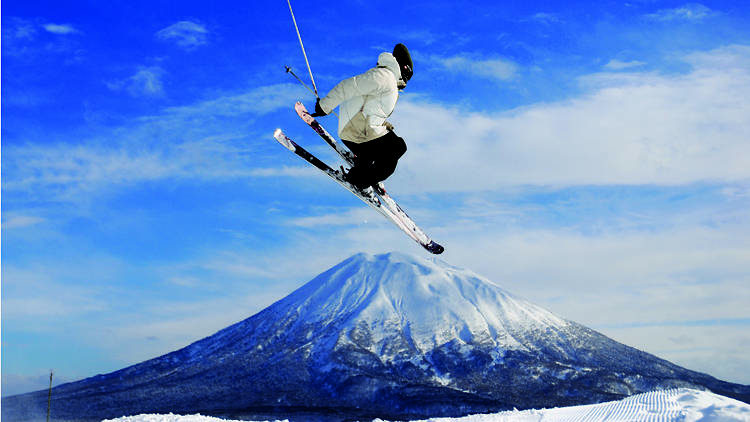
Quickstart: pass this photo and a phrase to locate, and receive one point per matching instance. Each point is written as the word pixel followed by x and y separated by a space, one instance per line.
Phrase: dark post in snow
pixel 49 396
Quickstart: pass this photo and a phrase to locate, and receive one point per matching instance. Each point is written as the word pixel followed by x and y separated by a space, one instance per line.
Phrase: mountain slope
pixel 389 336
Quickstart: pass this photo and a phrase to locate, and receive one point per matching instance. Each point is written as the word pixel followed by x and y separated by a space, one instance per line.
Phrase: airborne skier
pixel 365 102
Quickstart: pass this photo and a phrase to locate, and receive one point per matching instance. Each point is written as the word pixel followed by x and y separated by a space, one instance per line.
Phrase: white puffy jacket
pixel 365 101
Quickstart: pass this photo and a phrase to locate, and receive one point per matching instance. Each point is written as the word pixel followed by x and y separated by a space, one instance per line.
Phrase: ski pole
pixel 290 71
pixel 303 49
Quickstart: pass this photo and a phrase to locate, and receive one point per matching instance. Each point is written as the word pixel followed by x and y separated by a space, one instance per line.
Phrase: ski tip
pixel 303 113
pixel 434 248
pixel 283 140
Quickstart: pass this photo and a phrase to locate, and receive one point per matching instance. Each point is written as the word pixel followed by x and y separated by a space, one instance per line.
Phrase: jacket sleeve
pixel 367 83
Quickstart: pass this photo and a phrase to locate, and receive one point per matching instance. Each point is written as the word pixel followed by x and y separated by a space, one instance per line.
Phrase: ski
pixel 412 229
pixel 368 197
pixel 344 152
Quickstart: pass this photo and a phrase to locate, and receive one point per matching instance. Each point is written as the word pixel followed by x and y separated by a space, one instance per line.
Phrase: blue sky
pixel 592 157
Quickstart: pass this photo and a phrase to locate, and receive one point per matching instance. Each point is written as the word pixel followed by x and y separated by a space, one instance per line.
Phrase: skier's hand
pixel 318 110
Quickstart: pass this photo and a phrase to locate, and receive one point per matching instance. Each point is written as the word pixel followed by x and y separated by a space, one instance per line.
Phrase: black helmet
pixel 401 53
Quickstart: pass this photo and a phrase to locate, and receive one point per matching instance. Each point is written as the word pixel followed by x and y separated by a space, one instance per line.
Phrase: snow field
pixel 676 405
pixel 171 418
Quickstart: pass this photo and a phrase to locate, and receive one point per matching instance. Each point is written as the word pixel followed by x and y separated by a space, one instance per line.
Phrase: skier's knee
pixel 399 147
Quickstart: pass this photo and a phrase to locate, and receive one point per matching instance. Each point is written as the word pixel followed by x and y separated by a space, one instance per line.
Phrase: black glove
pixel 318 110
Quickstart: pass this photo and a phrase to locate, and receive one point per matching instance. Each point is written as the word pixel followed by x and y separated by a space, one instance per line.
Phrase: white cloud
pixel 616 64
pixel 60 29
pixel 690 11
pixel 20 221
pixel 186 34
pixel 500 69
pixel 631 128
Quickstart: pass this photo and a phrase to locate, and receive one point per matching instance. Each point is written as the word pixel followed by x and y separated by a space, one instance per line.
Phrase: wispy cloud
pixel 545 18
pixel 60 29
pixel 186 34
pixel 499 69
pixel 31 39
pixel 147 81
pixel 19 221
pixel 194 143
pixel 616 64
pixel 64 172
pixel 260 100
pixel 350 217
pixel 688 12
pixel 15 29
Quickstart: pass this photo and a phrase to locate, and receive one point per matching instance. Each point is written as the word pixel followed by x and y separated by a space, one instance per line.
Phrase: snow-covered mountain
pixel 390 336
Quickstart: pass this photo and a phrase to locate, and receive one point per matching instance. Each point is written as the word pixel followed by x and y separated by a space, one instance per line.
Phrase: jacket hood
pixel 388 61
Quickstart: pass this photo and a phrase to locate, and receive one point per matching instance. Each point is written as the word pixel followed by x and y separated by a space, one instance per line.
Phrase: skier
pixel 366 101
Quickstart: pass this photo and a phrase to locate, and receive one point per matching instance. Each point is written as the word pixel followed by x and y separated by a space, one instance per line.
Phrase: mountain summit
pixel 391 336
pixel 396 307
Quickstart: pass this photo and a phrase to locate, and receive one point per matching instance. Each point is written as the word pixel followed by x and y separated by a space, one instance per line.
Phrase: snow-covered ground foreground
pixel 658 406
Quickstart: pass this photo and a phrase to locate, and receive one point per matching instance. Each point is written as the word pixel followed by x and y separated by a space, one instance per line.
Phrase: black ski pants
pixel 376 159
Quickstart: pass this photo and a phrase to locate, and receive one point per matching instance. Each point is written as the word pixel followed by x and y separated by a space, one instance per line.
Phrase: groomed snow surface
pixel 658 406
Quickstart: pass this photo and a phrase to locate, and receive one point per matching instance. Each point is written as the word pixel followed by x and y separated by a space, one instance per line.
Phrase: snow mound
pixel 656 406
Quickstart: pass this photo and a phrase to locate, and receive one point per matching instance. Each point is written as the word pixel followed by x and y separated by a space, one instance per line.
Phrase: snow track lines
pixel 655 406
